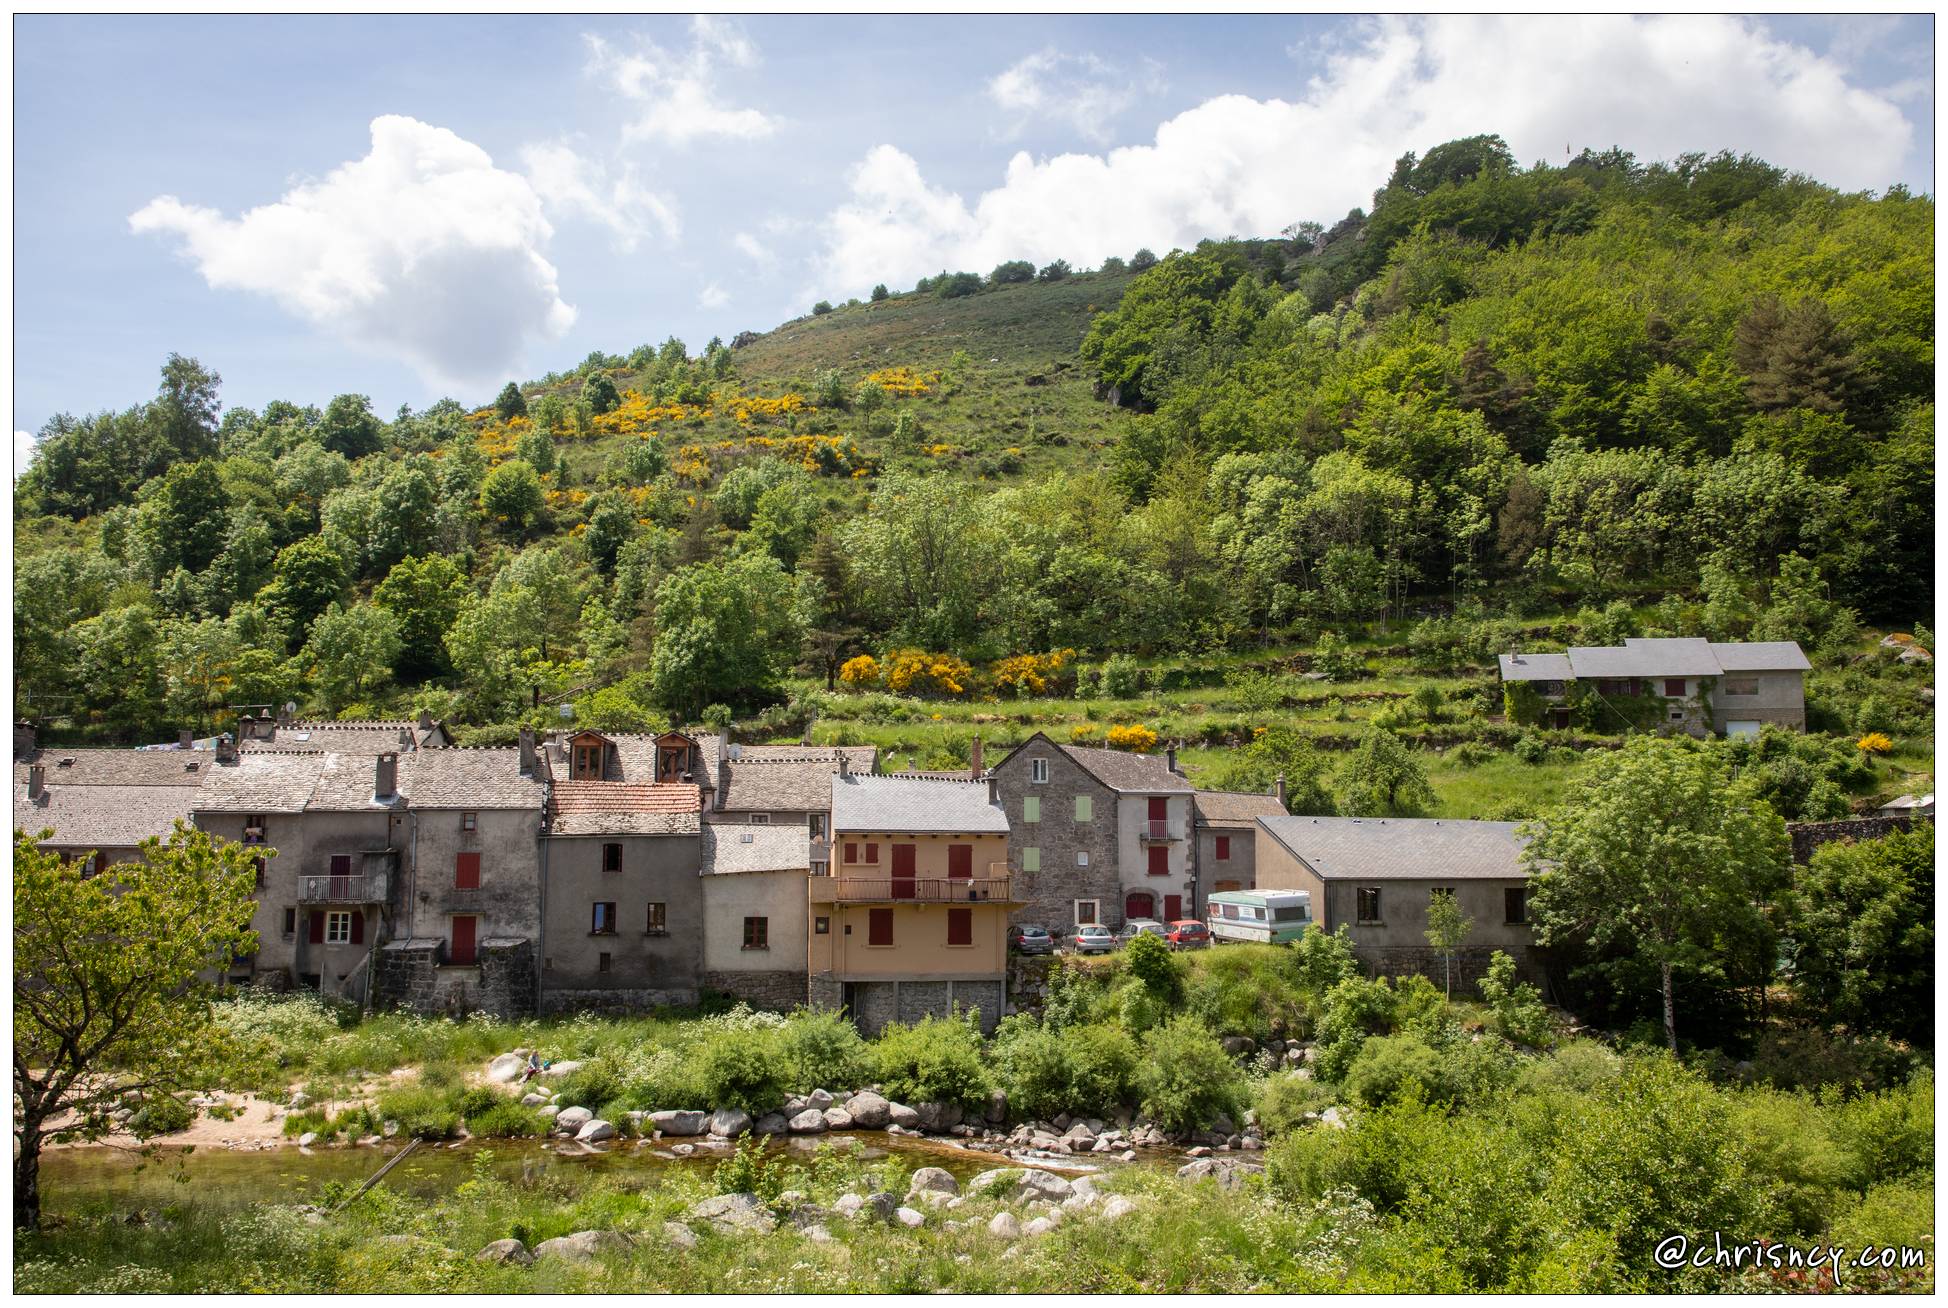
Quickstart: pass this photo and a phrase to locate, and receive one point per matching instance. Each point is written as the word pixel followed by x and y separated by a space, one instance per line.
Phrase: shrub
pixel 1248 990
pixel 1149 961
pixel 1103 1069
pixel 1136 738
pixel 1188 1079
pixel 1121 677
pixel 422 1113
pixel 1286 1097
pixel 1034 1066
pixel 1519 1015
pixel 935 1060
pixel 880 292
pixel 593 1084
pixel 748 1171
pixel 743 1069
pixel 506 1120
pixel 1386 1065
pixel 860 672
pixel 1324 960
pixel 1874 742
pixel 822 308
pixel 160 1115
pixel 823 1050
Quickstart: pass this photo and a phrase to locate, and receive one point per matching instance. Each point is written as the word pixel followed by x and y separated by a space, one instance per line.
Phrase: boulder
pixel 869 1110
pixel 1079 1134
pixel 581 1246
pixel 771 1124
pixel 506 1068
pixel 532 1100
pixel 505 1251
pixel 299 1099
pixel 809 1122
pixel 1117 1206
pixel 308 1139
pixel 819 1099
pixel 836 1119
pixel 804 1215
pixel 1037 1184
pixel 570 1120
pixel 732 1213
pixel 730 1122
pixel 938 1117
pixel 568 1068
pixel 880 1205
pixel 678 1236
pixel 1039 1226
pixel 933 1178
pixel 818 1235
pixel 901 1116
pixel 684 1150
pixel 997 1109
pixel 1229 1173
pixel 1006 1225
pixel 595 1130
pixel 909 1217
pixel 848 1205
pixel 680 1121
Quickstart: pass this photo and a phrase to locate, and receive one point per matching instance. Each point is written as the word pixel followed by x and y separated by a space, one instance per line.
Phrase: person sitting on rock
pixel 534 1068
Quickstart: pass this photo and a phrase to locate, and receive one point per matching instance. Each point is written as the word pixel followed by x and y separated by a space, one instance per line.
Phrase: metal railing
pixel 1161 829
pixel 367 889
pixel 920 890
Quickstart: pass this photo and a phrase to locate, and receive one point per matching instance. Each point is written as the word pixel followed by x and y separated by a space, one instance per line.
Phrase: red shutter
pixel 851 852
pixel 1159 860
pixel 872 852
pixel 1159 809
pixel 358 928
pixel 1224 847
pixel 879 926
pixel 960 861
pixel 317 928
pixel 466 872
pixel 960 926
pixel 1173 908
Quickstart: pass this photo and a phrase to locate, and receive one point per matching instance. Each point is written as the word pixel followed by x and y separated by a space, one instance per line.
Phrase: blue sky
pixel 411 207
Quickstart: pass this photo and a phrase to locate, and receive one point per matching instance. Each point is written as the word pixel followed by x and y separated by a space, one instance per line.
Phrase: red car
pixel 1187 934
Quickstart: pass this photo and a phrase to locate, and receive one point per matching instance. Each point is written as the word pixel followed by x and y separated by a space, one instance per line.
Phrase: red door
pixel 1173 908
pixel 1141 903
pixel 960 862
pixel 341 876
pixel 903 871
pixel 461 950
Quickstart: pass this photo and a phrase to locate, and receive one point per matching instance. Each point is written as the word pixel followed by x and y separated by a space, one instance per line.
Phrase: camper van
pixel 1266 916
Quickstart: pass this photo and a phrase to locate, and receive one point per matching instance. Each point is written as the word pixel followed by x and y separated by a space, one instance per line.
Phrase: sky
pixel 417 207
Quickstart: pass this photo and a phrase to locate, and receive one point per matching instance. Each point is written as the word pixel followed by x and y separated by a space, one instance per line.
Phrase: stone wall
pixel 1470 965
pixel 1028 981
pixel 556 1002
pixel 507 978
pixel 404 975
pixel 1809 836
pixel 778 991
pixel 1048 896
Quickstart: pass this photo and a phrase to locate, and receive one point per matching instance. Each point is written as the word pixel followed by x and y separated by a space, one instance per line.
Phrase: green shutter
pixel 1031 859
pixel 1031 809
pixel 1085 808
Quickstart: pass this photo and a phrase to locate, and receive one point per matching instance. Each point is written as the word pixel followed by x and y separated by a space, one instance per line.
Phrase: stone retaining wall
pixel 1469 965
pixel 778 991
pixel 1809 836
pixel 619 1001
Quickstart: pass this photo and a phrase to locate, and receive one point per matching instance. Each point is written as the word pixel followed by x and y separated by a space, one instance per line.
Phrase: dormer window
pixel 587 764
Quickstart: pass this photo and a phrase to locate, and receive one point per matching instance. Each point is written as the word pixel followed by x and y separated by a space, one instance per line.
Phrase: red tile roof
pixel 625 797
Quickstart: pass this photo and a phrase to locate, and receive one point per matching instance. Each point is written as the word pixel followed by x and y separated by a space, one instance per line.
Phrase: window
pixel 1031 859
pixel 815 824
pixel 1674 687
pixel 290 922
pixel 603 962
pixel 1087 912
pixel 757 933
pixel 1515 905
pixel 851 852
pixel 1224 849
pixel 1677 715
pixel 821 868
pixel 821 926
pixel 872 853
pixel 1085 808
pixel 1082 858
pixel 879 926
pixel 612 858
pixel 338 928
pixel 587 765
pixel 470 821
pixel 1031 809
pixel 1038 771
pixel 254 828
pixel 1159 860
pixel 466 871
pixel 1741 685
pixel 1367 905
pixel 602 920
pixel 656 925
pixel 960 926
pixel 760 819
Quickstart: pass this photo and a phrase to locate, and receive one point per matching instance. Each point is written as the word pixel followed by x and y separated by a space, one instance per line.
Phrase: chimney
pixel 185 739
pixel 1278 790
pixel 405 737
pixel 994 791
pixel 527 751
pixel 246 727
pixel 23 739
pixel 385 778
pixel 284 716
pixel 723 769
pixel 226 749
pixel 425 720
pixel 974 768
pixel 36 783
pixel 845 764
pixel 1170 758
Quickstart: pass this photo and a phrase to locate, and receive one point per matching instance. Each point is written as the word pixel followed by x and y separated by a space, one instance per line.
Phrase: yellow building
pixel 912 918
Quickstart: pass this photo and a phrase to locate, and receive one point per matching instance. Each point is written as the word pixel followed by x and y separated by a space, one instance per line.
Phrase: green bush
pixel 822 1049
pixel 160 1115
pixel 1249 990
pixel 1188 1079
pixel 472 1101
pixel 749 1171
pixel 1890 1135
pixel 745 1070
pixel 1322 961
pixel 596 1082
pixel 1149 960
pixel 1102 1069
pixel 1386 1065
pixel 423 1113
pixel 1285 1098
pixel 935 1060
pixel 1033 1062
pixel 1519 1015
pixel 506 1119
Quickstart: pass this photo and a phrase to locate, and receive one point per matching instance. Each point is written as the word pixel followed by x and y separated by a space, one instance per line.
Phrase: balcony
pixel 373 888
pixel 1160 831
pixel 993 888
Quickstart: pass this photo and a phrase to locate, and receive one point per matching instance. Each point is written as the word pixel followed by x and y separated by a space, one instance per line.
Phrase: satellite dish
pixel 290 706
pixel 567 712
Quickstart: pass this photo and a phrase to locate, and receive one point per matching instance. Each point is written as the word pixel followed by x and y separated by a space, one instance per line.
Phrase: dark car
pixel 1188 934
pixel 1030 940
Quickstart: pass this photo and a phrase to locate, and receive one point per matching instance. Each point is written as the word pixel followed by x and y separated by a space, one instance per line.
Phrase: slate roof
pixel 1761 656
pixel 1118 769
pixel 1401 849
pixel 1537 667
pixel 620 808
pixel 769 777
pixel 262 782
pixel 118 767
pixel 1233 808
pixel 914 804
pixel 480 778
pixel 635 754
pixel 103 816
pixel 352 736
pixel 754 847
pixel 1689 656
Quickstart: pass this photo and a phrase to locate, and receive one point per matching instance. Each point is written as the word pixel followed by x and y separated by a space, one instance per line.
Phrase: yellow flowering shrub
pixel 1082 732
pixel 1137 739
pixel 916 672
pixel 1029 674
pixel 1874 742
pixel 860 672
pixel 903 381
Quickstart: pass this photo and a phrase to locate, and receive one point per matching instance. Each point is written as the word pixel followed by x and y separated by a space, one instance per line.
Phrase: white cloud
pixel 753 249
pixel 677 96
pixel 1241 166
pixel 570 184
pixel 423 248
pixel 1082 90
pixel 23 451
pixel 713 296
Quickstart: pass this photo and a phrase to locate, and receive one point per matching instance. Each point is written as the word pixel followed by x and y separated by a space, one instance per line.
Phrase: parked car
pixel 1140 926
pixel 1092 939
pixel 1024 939
pixel 1188 934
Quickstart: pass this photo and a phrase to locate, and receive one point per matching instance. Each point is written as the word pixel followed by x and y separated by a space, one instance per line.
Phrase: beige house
pixel 912 919
pixel 1378 876
pixel 754 911
pixel 1728 688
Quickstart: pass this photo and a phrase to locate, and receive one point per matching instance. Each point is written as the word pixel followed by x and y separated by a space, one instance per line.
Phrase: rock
pixel 308 1139
pixel 595 1130
pixel 818 1235
pixel 1236 1045
pixel 504 1251
pixel 809 1122
pixel 880 1205
pixel 568 1068
pixel 795 1105
pixel 997 1110
pixel 1005 1225
pixel 1036 1184
pixel 1201 1151
pixel 804 1215
pixel 819 1099
pixel 299 1099
pixel 937 1179
pixel 570 1120
pixel 367 1141
pixel 770 1124
pixel 938 1117
pixel 1224 1125
pixel 681 1121
pixel 504 1069
pixel 1039 1226
pixel 1127 1156
pixel 532 1100
pixel 1079 1200
pixel 678 1236
pixel 730 1122
pixel 848 1205
pixel 1061 1123
pixel 1117 1206
pixel 581 1246
pixel 868 1110
pixel 902 1116
pixel 1079 1134
pixel 683 1150
pixel 1229 1173
pixel 837 1119
pixel 389 1129
pixel 994 1180
pixel 732 1213
pixel 909 1217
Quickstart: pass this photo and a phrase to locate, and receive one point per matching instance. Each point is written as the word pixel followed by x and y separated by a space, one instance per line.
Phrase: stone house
pixel 1098 835
pixel 102 803
pixel 1377 877
pixel 1728 688
pixel 788 785
pixel 755 936
pixel 1226 826
pixel 912 919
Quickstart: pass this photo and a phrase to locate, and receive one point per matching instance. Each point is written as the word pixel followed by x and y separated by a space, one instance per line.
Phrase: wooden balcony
pixel 368 889
pixel 994 888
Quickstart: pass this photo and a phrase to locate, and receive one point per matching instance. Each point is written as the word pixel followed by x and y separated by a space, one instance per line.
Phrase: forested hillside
pixel 1700 391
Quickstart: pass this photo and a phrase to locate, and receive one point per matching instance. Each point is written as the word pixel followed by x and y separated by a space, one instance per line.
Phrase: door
pixel 1141 903
pixel 903 871
pixel 341 877
pixel 1173 908
pixel 462 948
pixel 960 863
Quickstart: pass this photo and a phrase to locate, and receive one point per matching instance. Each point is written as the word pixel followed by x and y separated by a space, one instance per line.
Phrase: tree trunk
pixel 1670 1008
pixel 27 1182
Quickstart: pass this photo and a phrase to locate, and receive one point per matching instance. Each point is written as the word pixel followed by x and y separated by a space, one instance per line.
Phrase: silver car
pixel 1140 926
pixel 1092 939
